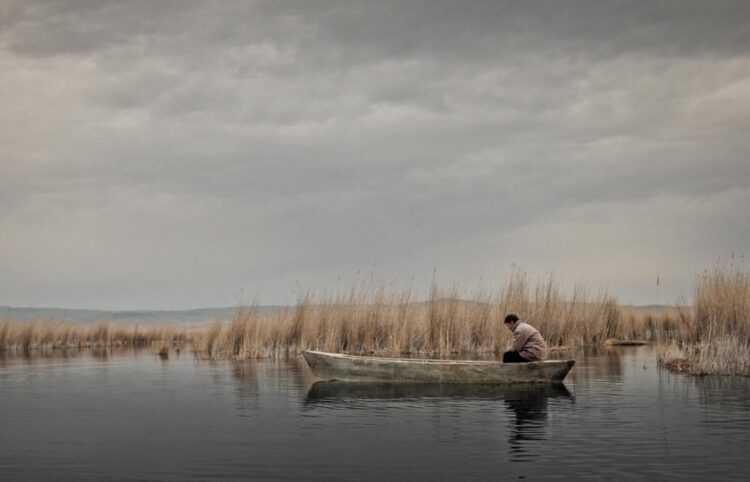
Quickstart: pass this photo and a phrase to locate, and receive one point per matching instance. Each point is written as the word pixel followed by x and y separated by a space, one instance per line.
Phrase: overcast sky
pixel 174 154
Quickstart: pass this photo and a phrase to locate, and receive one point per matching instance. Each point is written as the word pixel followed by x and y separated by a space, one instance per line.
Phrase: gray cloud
pixel 167 154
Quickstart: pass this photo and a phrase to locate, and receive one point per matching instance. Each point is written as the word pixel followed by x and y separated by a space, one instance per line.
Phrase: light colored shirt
pixel 527 341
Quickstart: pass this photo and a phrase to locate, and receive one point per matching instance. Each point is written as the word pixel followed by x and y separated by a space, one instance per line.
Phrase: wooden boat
pixel 336 366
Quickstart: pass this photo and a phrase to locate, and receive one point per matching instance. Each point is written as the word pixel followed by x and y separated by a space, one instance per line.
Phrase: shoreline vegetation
pixel 710 336
pixel 713 336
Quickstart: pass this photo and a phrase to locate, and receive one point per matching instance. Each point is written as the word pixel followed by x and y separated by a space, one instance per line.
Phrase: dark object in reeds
pixel 612 342
pixel 681 365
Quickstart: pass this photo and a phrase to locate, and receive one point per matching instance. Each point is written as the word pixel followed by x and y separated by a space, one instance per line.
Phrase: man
pixel 525 344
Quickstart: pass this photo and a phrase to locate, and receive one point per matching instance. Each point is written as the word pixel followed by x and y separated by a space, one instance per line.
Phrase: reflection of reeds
pixel 714 334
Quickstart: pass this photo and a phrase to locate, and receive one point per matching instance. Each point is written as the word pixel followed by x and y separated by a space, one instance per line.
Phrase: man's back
pixel 528 342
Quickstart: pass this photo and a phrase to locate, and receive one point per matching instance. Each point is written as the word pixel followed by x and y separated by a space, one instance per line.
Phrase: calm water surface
pixel 132 416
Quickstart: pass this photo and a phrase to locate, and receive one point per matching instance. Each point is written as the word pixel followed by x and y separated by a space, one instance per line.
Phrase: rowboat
pixel 338 366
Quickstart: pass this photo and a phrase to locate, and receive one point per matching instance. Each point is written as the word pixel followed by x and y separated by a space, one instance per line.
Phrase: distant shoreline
pixel 191 316
pixel 86 316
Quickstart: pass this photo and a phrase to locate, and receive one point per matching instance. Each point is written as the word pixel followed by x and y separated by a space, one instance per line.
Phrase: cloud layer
pixel 171 154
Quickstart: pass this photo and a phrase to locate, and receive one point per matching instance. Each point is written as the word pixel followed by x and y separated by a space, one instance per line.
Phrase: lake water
pixel 132 416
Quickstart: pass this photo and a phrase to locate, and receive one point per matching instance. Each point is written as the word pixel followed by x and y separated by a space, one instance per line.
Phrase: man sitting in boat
pixel 525 344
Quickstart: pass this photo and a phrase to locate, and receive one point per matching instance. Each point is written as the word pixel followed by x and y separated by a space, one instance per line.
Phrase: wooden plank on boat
pixel 337 366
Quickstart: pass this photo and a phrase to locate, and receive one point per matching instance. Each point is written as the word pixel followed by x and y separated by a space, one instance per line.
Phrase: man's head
pixel 510 321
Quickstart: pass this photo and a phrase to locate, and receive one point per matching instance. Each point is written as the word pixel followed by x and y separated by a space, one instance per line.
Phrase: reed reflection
pixel 596 364
pixel 47 355
pixel 245 375
pixel 727 392
pixel 38 356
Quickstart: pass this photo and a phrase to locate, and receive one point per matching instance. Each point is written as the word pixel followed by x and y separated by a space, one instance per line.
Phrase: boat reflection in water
pixel 337 391
pixel 530 407
pixel 527 404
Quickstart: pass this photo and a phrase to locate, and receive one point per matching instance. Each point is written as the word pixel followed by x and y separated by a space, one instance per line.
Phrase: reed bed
pixel 652 324
pixel 709 335
pixel 371 317
pixel 46 334
pixel 713 336
pixel 376 319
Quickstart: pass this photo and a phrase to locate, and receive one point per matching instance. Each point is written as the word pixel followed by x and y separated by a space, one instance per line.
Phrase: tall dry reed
pixel 370 317
pixel 377 318
pixel 41 334
pixel 714 334
pixel 651 323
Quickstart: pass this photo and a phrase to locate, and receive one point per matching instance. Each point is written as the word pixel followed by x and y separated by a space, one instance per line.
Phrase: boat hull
pixel 336 366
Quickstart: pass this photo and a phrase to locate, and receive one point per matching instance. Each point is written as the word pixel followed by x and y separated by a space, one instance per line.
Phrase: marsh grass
pixel 651 323
pixel 713 336
pixel 710 335
pixel 376 318
pixel 371 317
pixel 49 334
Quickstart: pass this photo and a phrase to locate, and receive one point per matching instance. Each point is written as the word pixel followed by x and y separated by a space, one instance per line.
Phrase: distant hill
pixel 200 315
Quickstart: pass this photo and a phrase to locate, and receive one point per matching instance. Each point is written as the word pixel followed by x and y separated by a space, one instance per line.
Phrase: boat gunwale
pixel 427 360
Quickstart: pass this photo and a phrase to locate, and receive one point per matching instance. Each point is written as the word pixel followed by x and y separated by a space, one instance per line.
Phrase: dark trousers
pixel 513 357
